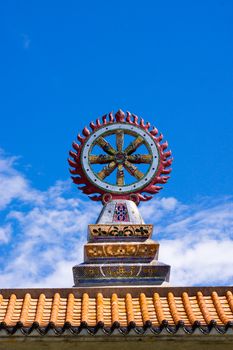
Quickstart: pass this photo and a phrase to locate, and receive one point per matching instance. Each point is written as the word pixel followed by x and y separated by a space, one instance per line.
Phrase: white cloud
pixel 14 185
pixel 40 242
pixel 155 210
pixel 199 245
pixel 52 235
pixel 5 233
pixel 48 234
pixel 203 263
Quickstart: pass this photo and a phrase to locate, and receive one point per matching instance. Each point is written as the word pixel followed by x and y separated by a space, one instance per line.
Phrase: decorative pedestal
pixel 120 250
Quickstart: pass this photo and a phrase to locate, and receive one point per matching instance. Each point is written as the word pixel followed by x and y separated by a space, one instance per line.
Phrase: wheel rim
pixel 120 158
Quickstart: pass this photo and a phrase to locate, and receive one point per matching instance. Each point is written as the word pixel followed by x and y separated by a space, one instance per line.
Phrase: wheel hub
pixel 120 157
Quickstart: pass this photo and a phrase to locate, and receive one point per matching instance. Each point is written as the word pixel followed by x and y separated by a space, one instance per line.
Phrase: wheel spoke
pixel 120 175
pixel 105 145
pixel 133 170
pixel 120 140
pixel 140 158
pixel 134 145
pixel 100 159
pixel 107 170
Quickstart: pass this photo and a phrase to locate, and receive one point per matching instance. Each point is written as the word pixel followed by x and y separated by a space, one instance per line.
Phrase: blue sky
pixel 65 63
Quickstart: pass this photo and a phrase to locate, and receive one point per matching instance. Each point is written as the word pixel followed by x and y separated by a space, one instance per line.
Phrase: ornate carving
pixel 121 271
pixel 120 159
pixel 121 212
pixel 123 250
pixel 120 231
pixel 137 271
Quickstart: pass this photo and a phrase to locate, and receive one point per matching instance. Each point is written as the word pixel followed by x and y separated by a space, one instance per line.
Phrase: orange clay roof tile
pixel 114 309
pixel 148 308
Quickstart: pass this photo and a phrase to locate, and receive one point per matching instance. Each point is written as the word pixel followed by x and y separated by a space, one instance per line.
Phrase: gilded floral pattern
pixel 123 231
pixel 143 250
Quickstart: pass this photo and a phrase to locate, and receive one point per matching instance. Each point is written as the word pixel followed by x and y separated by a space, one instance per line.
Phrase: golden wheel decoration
pixel 120 158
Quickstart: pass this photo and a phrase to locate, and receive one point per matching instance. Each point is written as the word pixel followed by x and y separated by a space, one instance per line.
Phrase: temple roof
pixel 121 309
